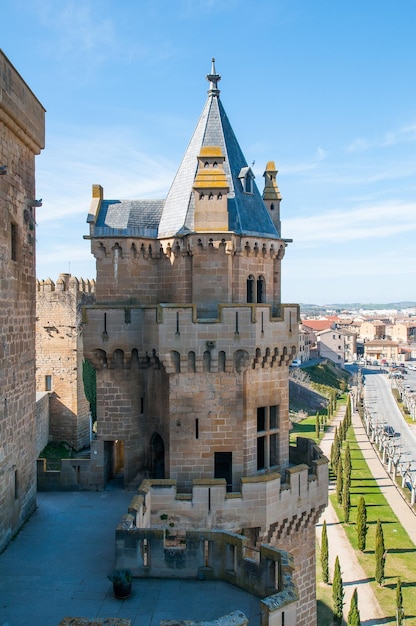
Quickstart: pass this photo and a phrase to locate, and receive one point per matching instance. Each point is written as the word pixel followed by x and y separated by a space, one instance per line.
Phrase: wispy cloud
pixel 64 178
pixel 305 166
pixel 406 134
pixel 364 222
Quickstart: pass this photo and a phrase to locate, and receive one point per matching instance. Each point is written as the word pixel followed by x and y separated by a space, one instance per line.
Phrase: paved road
pixel 382 407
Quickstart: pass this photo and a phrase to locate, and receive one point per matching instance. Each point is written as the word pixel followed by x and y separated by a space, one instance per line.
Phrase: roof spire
pixel 213 79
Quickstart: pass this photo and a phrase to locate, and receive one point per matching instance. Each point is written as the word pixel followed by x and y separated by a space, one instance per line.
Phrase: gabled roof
pixel 247 213
pixel 317 325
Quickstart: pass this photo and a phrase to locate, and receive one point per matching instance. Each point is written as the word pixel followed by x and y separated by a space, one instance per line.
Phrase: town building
pixel 192 346
pixel 22 137
pixel 381 351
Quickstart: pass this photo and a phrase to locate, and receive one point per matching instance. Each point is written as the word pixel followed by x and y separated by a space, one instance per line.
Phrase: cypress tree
pixel 324 554
pixel 90 387
pixel 335 452
pixel 341 433
pixel 347 462
pixel 346 498
pixel 399 603
pixel 380 554
pixel 346 427
pixel 337 594
pixel 340 481
pixel 354 613
pixel 362 527
pixel 317 425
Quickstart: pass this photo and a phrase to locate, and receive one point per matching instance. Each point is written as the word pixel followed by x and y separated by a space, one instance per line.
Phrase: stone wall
pixel 22 131
pixel 212 555
pixel 42 421
pixel 59 356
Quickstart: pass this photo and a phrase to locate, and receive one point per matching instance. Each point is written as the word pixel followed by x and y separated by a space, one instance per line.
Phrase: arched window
pixel 272 207
pixel 207 361
pixel 210 197
pixel 250 289
pixel 261 289
pixel 248 183
pixel 241 360
pixel 191 362
pixel 221 361
pixel 176 361
pixel 118 357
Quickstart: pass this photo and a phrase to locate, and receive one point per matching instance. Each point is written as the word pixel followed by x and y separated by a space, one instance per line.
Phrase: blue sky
pixel 326 89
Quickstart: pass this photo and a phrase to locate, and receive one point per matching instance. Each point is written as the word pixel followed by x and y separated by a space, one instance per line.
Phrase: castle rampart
pixel 22 136
pixel 59 356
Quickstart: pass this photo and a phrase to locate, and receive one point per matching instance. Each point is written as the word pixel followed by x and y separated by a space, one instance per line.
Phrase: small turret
pixel 271 195
pixel 210 190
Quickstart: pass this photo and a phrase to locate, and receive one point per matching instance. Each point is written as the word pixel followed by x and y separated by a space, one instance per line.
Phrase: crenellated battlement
pixel 141 248
pixel 265 501
pixel 66 282
pixel 241 335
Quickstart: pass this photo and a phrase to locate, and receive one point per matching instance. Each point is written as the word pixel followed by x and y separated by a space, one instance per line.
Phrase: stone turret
pixel 271 194
pixel 211 186
pixel 59 356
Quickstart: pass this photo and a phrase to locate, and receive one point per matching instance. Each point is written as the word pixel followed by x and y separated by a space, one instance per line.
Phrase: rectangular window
pixel 197 428
pixel 13 242
pixel 223 467
pixel 261 418
pixel 48 382
pixel 261 441
pixel 274 417
pixel 142 405
pixel 16 485
pixel 274 452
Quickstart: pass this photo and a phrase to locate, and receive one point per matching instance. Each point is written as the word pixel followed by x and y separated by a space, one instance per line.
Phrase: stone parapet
pixel 66 282
pixel 172 332
pixel 212 555
pixel 264 501
pixel 20 110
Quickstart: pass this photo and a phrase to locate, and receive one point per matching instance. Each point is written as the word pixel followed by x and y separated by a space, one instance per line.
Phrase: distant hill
pixel 353 306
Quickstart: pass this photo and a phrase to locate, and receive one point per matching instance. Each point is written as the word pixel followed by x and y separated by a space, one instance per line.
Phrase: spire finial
pixel 213 79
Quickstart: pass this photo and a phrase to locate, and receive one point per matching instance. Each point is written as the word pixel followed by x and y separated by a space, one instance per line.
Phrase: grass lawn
pixel 401 553
pixel 306 428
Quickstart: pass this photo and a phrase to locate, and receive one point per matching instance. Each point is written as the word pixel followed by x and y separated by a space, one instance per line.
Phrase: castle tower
pixel 59 357
pixel 22 137
pixel 192 347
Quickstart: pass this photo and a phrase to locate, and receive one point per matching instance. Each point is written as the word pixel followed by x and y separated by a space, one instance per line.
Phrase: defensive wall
pixel 212 555
pixel 59 356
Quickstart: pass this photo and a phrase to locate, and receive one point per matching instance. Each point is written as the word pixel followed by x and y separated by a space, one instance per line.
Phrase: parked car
pixel 389 431
pixel 296 363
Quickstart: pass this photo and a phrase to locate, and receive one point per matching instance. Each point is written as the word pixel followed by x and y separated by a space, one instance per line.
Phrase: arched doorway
pixel 157 447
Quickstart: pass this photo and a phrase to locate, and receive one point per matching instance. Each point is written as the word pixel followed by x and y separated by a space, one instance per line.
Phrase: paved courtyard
pixel 57 566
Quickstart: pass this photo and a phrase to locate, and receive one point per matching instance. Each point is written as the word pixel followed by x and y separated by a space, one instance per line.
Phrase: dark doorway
pixel 114 462
pixel 224 468
pixel 157 456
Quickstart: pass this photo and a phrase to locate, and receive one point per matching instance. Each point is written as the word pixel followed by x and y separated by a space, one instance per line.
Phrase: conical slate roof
pixel 247 213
